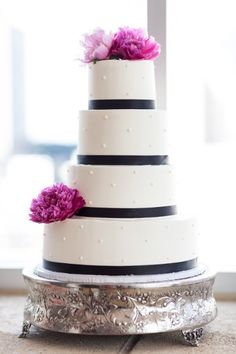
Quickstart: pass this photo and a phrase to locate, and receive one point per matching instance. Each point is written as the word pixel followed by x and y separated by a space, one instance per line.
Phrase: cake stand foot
pixel 25 329
pixel 192 336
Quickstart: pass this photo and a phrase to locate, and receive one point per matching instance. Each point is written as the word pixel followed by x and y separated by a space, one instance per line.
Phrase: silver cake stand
pixel 110 308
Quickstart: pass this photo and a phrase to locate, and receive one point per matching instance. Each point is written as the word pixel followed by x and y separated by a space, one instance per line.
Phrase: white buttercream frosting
pixel 122 242
pixel 124 186
pixel 125 79
pixel 141 241
pixel 123 131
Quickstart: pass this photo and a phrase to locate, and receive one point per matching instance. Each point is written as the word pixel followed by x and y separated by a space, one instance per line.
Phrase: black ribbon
pixel 127 212
pixel 122 159
pixel 119 270
pixel 122 104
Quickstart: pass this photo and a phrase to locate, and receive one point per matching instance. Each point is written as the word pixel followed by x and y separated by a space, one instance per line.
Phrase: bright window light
pixel 42 87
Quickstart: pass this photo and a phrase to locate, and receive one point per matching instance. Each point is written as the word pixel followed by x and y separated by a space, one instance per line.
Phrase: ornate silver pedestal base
pixel 120 309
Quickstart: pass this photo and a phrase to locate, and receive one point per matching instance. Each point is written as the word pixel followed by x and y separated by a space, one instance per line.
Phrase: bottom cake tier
pixel 105 246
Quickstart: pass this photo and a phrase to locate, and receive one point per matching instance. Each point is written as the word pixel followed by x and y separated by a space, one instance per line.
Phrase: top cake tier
pixel 123 84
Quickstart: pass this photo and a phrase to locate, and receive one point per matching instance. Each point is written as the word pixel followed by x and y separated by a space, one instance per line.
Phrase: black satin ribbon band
pixel 122 159
pixel 119 270
pixel 127 212
pixel 121 104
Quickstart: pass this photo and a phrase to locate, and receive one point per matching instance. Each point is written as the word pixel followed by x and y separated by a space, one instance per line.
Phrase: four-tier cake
pixel 128 222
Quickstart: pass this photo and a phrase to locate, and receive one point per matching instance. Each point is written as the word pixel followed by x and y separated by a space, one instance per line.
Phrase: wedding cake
pixel 117 213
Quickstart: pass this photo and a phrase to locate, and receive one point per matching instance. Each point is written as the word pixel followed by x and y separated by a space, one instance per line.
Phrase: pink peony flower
pixel 96 45
pixel 134 44
pixel 55 203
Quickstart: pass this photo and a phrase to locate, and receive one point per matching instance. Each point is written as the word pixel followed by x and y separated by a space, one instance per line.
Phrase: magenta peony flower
pixel 55 203
pixel 134 44
pixel 96 45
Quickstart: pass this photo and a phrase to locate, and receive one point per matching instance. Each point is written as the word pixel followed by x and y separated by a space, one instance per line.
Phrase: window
pixel 42 87
pixel 201 73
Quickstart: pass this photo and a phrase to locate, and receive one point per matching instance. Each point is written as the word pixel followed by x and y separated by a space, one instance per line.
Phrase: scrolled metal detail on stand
pixel 120 309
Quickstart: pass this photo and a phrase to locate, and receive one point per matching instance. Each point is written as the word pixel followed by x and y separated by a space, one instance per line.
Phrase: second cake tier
pixel 122 132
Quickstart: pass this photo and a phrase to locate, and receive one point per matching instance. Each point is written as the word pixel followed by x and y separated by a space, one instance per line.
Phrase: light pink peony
pixel 96 45
pixel 134 44
pixel 55 203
